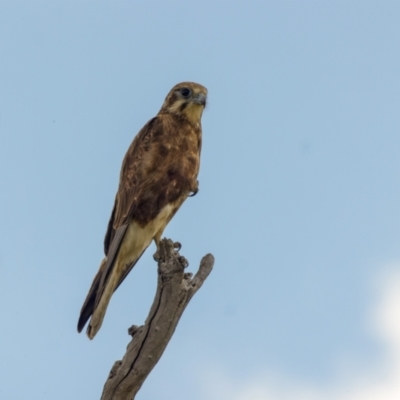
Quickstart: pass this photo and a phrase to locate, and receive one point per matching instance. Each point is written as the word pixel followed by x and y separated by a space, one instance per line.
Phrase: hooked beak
pixel 200 99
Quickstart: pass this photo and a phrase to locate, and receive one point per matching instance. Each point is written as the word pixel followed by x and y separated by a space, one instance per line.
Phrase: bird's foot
pixel 195 190
pixel 164 251
pixel 184 263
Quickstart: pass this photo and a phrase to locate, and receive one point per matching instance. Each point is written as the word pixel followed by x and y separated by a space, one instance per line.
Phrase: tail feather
pixel 100 280
pixel 88 305
pixel 101 305
pixel 128 244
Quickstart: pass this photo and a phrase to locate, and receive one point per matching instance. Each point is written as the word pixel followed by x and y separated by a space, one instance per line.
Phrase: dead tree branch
pixel 174 291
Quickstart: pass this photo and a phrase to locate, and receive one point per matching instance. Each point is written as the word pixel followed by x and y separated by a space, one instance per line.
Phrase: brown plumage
pixel 158 173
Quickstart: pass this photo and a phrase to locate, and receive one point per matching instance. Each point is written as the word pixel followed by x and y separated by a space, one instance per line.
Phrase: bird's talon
pixel 195 190
pixel 182 260
pixel 177 246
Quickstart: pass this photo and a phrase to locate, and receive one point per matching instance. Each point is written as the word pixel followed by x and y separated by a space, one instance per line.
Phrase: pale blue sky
pixel 299 186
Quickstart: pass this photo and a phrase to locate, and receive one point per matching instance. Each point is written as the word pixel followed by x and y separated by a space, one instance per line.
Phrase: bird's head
pixel 187 100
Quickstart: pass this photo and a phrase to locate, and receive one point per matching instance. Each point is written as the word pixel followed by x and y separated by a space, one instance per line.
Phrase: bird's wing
pixel 143 191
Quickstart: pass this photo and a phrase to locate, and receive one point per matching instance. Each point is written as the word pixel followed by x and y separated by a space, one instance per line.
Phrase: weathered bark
pixel 174 291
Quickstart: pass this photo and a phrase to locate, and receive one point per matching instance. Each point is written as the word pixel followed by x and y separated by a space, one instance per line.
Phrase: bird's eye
pixel 185 92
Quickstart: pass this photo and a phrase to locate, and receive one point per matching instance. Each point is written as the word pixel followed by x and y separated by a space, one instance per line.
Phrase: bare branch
pixel 174 291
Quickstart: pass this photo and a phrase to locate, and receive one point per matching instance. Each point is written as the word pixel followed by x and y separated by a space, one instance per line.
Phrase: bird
pixel 159 172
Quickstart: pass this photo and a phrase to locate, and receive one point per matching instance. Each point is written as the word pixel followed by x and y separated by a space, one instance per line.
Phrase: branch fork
pixel 175 289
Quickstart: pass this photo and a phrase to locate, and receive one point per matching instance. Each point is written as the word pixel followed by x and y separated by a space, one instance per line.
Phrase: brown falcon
pixel 158 173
